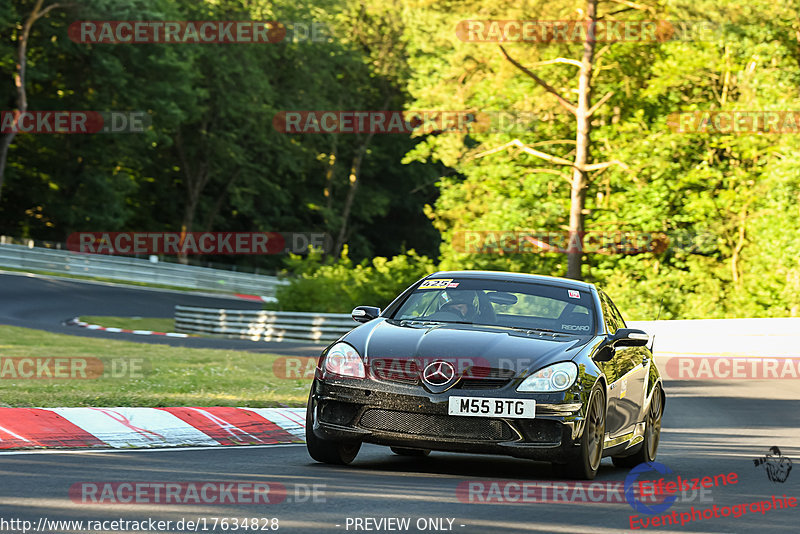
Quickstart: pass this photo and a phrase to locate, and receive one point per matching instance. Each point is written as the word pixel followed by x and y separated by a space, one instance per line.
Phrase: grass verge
pixel 137 374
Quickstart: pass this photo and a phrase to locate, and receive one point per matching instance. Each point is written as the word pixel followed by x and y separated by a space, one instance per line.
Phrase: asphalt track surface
pixel 710 428
pixel 44 303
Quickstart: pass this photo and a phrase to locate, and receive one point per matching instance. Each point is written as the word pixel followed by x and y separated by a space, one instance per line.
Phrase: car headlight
pixel 556 377
pixel 344 360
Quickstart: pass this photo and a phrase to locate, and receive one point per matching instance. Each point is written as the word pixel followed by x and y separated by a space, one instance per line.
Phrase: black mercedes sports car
pixel 490 362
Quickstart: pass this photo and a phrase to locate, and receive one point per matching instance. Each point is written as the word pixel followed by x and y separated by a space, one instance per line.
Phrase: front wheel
pixel 652 434
pixel 587 462
pixel 325 450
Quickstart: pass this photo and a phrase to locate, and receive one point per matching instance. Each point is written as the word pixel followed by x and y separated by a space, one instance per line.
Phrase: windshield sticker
pixel 438 283
pixel 574 327
pixel 574 294
pixel 452 284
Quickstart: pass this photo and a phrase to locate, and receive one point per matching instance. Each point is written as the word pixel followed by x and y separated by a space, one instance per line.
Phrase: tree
pixel 20 76
pixel 713 196
pixel 583 111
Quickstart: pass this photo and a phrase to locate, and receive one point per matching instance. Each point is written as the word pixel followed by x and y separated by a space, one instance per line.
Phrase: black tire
pixel 586 463
pixel 402 451
pixel 652 434
pixel 324 450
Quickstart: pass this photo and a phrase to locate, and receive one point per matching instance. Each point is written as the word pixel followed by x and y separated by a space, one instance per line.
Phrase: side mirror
pixel 364 314
pixel 604 354
pixel 629 337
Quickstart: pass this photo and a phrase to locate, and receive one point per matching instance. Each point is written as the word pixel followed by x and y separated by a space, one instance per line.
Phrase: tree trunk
pixel 582 142
pixel 195 181
pixel 186 226
pixel 4 146
pixel 583 111
pixel 737 249
pixel 212 215
pixel 329 174
pixel 355 170
pixel 355 175
pixel 19 81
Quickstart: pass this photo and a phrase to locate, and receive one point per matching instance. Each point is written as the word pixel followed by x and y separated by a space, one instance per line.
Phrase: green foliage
pixel 737 190
pixel 338 286
pixel 212 159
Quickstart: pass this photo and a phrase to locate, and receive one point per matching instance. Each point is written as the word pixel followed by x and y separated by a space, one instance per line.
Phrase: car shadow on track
pixel 380 460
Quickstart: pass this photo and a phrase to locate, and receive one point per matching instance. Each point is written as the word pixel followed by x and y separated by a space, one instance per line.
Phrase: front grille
pixel 485 378
pixel 408 371
pixel 438 426
pixel 403 370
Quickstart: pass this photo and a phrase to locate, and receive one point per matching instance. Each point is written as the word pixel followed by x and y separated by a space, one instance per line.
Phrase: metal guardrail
pixel 136 270
pixel 734 337
pixel 774 337
pixel 264 325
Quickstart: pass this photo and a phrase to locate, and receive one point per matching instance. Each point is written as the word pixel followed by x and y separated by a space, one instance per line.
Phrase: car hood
pixel 481 345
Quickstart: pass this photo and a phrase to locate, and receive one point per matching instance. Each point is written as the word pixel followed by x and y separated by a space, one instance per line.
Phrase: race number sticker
pixel 438 283
pixel 574 294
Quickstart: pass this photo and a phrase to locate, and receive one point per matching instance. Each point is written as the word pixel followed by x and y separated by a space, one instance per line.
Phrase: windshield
pixel 500 303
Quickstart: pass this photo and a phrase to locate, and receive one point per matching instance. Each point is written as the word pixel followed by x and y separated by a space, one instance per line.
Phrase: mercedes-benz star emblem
pixel 438 373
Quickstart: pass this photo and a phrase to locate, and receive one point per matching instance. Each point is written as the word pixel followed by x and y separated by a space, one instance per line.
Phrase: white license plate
pixel 491 407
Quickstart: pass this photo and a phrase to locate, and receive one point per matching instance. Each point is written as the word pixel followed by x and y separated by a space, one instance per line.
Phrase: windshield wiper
pixel 420 321
pixel 527 330
pixel 535 329
pixel 437 321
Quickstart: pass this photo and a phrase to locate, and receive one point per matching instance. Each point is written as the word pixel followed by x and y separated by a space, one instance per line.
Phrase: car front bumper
pixel 415 418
